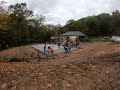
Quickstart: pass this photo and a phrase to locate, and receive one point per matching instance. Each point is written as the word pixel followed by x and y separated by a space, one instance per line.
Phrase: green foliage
pixel 19 14
pixel 115 23
pixel 5 28
pixel 19 11
pixel 92 26
pixel 103 24
pixel 5 22
pixel 18 27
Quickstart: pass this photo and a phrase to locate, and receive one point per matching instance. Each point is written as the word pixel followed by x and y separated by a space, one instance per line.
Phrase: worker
pixel 58 45
pixel 48 49
pixel 45 48
pixel 52 50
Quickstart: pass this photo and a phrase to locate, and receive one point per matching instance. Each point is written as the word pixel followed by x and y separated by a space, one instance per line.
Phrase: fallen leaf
pixel 4 85
pixel 49 85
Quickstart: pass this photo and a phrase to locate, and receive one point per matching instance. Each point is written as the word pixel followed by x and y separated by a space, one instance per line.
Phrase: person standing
pixel 65 48
pixel 78 43
pixel 58 45
pixel 69 47
pixel 48 50
pixel 52 50
pixel 45 48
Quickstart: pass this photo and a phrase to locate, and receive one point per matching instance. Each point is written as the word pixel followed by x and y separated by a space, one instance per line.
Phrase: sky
pixel 60 11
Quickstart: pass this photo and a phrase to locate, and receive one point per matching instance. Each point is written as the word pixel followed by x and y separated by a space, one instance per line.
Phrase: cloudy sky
pixel 60 11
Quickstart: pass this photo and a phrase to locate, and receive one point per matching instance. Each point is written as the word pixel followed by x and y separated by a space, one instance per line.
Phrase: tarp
pixel 116 38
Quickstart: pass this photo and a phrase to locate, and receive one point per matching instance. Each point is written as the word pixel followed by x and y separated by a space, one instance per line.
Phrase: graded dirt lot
pixel 95 67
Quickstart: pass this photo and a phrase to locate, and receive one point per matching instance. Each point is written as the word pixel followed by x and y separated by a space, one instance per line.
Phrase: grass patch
pixel 101 39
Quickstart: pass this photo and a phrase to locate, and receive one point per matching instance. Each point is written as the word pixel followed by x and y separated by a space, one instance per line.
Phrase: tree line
pixel 19 26
pixel 104 24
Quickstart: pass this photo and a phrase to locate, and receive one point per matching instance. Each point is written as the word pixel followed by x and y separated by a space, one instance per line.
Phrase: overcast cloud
pixel 60 11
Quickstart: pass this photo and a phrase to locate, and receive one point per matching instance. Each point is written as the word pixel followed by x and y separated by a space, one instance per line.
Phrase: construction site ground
pixel 94 67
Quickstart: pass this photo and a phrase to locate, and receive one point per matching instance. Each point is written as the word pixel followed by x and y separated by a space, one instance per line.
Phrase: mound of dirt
pixel 20 54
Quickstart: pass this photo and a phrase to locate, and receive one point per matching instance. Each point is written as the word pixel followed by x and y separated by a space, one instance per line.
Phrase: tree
pixel 5 22
pixel 5 27
pixel 105 20
pixel 115 23
pixel 69 24
pixel 5 30
pixel 76 26
pixel 92 26
pixel 37 29
pixel 19 14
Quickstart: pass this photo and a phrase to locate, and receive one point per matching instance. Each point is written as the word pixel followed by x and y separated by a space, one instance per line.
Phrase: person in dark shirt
pixel 58 45
pixel 66 48
pixel 48 49
pixel 45 48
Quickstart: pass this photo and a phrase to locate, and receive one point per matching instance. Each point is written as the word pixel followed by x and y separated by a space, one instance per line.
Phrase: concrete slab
pixel 40 47
pixel 60 50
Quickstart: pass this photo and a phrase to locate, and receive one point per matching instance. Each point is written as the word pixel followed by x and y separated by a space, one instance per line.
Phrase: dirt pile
pixel 20 54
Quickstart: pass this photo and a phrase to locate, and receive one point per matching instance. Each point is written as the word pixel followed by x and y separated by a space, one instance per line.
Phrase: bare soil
pixel 95 67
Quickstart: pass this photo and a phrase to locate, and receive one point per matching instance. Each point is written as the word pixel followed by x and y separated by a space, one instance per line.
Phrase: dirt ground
pixel 95 67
